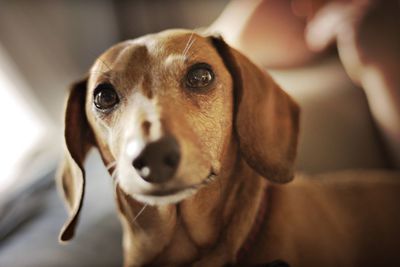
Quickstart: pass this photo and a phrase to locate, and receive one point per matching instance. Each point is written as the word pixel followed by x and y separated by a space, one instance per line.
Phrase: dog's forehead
pixel 173 46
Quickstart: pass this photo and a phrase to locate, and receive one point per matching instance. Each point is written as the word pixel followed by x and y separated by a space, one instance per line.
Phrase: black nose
pixel 158 160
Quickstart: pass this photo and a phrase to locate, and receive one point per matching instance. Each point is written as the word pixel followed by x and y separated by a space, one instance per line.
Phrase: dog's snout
pixel 159 160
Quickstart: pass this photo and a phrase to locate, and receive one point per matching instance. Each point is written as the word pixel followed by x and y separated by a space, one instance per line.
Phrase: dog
pixel 201 144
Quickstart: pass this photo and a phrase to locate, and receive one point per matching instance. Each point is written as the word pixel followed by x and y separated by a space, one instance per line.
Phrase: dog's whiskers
pixel 111 165
pixel 114 174
pixel 130 215
pixel 188 44
pixel 140 212
pixel 105 64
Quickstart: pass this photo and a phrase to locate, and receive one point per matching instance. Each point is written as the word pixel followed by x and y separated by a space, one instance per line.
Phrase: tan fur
pixel 244 129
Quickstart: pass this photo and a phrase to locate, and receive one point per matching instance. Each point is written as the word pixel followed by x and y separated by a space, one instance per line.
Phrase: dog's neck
pixel 211 226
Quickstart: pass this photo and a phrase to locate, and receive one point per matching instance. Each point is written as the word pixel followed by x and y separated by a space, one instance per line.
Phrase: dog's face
pixel 165 110
pixel 161 108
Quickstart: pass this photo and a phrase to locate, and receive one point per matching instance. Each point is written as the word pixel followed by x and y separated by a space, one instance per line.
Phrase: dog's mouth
pixel 173 195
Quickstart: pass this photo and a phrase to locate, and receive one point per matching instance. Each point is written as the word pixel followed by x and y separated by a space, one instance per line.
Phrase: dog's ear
pixel 266 119
pixel 78 141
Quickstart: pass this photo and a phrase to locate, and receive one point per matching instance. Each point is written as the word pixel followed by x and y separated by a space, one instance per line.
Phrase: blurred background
pixel 46 45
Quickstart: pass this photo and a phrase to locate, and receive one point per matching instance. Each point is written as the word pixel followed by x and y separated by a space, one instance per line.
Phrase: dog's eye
pixel 199 76
pixel 105 97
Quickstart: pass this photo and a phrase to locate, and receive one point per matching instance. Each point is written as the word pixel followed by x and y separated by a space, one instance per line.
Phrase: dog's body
pixel 190 129
pixel 341 219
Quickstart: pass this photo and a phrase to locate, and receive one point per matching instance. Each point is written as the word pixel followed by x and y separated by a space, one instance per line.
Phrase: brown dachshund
pixel 201 143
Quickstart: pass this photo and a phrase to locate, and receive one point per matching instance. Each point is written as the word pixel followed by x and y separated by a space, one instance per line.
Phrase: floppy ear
pixel 78 141
pixel 266 119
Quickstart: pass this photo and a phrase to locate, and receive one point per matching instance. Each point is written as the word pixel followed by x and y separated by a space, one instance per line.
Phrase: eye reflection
pixel 105 97
pixel 199 76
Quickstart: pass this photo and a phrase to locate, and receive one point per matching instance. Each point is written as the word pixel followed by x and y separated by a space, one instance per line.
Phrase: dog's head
pixel 163 111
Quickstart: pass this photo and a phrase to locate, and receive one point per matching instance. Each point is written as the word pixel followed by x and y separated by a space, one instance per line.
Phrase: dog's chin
pixel 171 196
pixel 165 198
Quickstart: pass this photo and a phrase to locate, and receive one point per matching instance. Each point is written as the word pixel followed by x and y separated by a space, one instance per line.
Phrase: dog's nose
pixel 158 161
